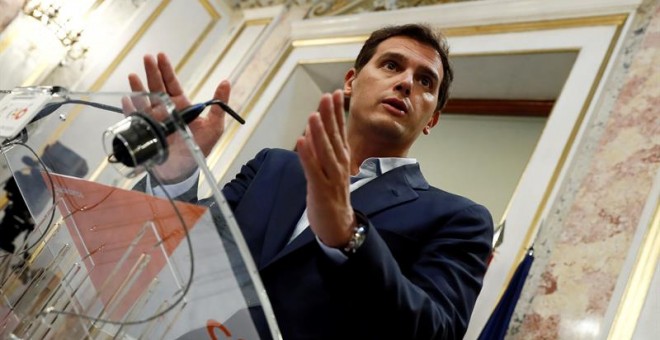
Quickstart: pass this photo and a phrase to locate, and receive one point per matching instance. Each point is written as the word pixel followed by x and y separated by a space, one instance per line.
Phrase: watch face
pixel 357 239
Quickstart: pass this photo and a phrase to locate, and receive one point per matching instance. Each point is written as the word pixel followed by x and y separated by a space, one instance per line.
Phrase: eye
pixel 390 65
pixel 426 82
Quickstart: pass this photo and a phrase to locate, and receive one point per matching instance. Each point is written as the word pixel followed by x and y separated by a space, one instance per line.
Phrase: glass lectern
pixel 97 242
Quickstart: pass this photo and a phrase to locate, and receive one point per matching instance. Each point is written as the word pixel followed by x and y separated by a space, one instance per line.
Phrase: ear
pixel 348 82
pixel 432 122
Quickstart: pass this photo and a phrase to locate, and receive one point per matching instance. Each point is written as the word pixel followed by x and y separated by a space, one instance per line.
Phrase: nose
pixel 404 84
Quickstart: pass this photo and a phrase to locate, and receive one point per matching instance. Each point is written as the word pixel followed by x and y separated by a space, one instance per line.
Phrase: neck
pixel 363 148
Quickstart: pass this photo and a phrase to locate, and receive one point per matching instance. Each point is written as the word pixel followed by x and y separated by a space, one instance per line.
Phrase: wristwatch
pixel 358 236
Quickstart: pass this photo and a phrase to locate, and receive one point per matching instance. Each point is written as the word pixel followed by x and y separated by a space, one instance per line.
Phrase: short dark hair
pixel 422 33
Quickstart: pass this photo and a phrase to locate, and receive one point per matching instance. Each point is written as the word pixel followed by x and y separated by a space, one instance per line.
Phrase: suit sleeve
pixel 435 298
pixel 234 190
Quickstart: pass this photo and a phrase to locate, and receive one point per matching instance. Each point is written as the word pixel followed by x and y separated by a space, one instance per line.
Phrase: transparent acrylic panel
pixel 94 247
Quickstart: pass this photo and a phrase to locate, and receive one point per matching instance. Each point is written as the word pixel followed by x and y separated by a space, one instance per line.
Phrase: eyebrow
pixel 399 57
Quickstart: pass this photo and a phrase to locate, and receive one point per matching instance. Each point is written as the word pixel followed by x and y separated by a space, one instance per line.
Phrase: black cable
pixel 226 108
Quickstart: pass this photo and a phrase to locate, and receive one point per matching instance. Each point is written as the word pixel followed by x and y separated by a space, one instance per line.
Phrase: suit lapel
pixel 393 188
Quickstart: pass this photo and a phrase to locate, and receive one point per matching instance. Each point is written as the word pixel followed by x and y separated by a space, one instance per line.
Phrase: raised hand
pixel 205 129
pixel 325 156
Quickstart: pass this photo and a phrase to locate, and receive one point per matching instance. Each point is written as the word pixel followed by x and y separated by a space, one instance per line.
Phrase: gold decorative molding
pixel 210 9
pixel 609 20
pixel 217 61
pixel 38 71
pixel 129 46
pixel 94 6
pixel 215 17
pixel 248 4
pixel 260 21
pixel 527 26
pixel 639 282
pixel 7 40
pixel 325 8
pixel 330 41
pixel 303 62
pixel 233 129
pixel 221 56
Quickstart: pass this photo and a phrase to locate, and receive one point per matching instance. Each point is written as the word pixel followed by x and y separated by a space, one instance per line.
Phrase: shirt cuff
pixel 333 253
pixel 176 189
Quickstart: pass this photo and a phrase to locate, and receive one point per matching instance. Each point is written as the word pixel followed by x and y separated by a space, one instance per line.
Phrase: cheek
pixel 364 92
pixel 429 101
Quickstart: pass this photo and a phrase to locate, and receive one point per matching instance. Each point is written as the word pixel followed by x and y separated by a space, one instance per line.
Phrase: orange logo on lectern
pixel 211 325
pixel 18 113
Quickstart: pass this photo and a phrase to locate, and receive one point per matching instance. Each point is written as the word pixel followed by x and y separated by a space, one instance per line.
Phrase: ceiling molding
pixel 462 14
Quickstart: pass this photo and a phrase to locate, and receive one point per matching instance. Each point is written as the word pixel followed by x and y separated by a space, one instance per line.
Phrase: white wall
pixel 479 157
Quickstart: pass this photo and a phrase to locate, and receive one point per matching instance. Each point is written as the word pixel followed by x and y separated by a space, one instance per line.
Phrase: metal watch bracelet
pixel 358 236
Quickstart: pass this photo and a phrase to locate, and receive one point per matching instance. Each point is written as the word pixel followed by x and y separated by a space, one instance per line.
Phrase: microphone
pixel 193 111
pixel 139 139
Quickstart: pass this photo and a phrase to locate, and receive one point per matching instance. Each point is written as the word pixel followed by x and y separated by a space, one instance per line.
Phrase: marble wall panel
pixel 582 248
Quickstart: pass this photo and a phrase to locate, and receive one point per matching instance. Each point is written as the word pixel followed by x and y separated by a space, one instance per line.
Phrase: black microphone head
pixel 139 140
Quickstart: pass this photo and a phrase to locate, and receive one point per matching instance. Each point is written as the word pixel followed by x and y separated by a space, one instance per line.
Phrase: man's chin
pixel 389 131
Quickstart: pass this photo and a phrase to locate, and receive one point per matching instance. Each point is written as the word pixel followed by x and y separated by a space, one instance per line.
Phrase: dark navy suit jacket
pixel 417 275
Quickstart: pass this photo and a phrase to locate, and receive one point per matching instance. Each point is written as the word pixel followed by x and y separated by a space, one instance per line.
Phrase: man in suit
pixel 350 240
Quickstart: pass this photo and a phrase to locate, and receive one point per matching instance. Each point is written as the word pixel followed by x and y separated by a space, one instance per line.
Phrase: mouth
pixel 396 104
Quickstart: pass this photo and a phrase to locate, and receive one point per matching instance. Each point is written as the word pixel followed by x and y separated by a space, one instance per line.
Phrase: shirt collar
pixel 376 166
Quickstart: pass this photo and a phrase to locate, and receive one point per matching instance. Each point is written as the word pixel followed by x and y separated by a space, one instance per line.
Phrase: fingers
pixel 161 76
pixel 213 124
pixel 324 142
pixel 338 100
pixel 323 147
pixel 155 81
pixel 327 113
pixel 328 197
pixel 331 110
pixel 139 102
pixel 127 105
pixel 135 83
pixel 311 167
pixel 340 115
pixel 222 93
pixel 168 77
pixel 325 138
